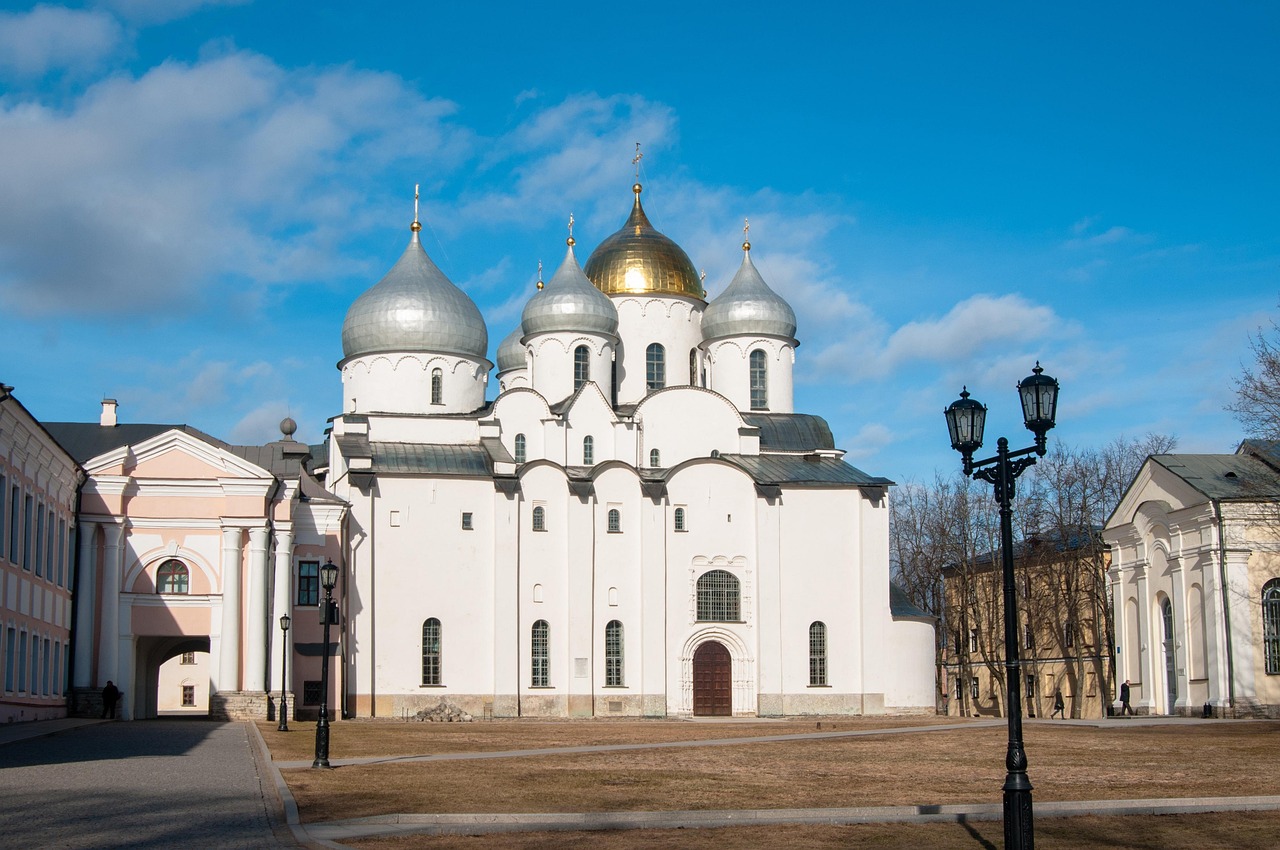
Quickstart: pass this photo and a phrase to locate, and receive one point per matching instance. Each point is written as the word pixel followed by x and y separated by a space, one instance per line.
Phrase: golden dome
pixel 639 259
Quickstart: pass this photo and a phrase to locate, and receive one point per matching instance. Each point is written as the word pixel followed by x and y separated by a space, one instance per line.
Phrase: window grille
pixel 311 693
pixel 817 654
pixel 437 386
pixel 588 451
pixel 655 458
pixel 759 381
pixel 172 577
pixel 615 521
pixel 581 366
pixel 656 367
pixel 188 694
pixel 613 654
pixel 520 448
pixel 1271 624
pixel 431 652
pixel 680 521
pixel 718 594
pixel 540 666
pixel 539 518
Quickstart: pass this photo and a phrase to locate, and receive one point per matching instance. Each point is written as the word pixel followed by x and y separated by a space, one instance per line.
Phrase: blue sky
pixel 194 193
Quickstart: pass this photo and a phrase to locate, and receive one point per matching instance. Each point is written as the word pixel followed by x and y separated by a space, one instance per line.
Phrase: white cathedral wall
pixel 670 320
pixel 545 594
pixel 552 372
pixel 622 560
pixel 684 423
pixel 731 372
pixel 525 412
pixel 590 417
pixel 401 383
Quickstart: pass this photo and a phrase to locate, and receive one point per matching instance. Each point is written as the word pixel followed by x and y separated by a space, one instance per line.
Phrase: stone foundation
pixel 239 705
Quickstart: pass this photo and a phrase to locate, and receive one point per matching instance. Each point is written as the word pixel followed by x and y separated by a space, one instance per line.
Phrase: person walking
pixel 1058 704
pixel 110 696
pixel 1125 708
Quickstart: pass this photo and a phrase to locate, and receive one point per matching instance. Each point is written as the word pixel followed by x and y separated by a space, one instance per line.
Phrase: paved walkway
pixel 144 784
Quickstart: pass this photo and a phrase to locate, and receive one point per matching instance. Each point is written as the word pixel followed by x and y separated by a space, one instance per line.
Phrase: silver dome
pixel 511 352
pixel 414 308
pixel 570 302
pixel 748 307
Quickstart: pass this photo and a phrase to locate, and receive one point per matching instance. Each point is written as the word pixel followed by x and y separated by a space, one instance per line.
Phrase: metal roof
pixel 900 604
pixel 748 307
pixel 469 459
pixel 86 440
pixel 569 302
pixel 804 470
pixel 791 432
pixel 1239 477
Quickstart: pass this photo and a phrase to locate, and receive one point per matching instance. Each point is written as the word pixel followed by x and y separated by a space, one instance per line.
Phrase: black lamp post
pixel 328 578
pixel 966 419
pixel 284 673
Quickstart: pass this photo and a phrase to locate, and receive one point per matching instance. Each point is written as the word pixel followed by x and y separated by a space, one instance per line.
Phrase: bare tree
pixel 1257 404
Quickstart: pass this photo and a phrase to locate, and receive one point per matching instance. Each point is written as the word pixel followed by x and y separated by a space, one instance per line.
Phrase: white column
pixel 87 598
pixel 109 634
pixel 1215 634
pixel 1181 635
pixel 1241 605
pixel 283 596
pixel 255 664
pixel 229 663
pixel 1146 643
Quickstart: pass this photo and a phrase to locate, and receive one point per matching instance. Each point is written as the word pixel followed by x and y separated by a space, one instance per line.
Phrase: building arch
pixel 744 686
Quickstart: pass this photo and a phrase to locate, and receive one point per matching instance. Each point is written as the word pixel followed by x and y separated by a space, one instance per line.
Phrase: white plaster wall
pixel 670 320
pixel 423 429
pixel 551 359
pixel 731 371
pixel 620 564
pixel 401 383
pixel 685 423
pixel 591 417
pixel 544 561
pixel 522 411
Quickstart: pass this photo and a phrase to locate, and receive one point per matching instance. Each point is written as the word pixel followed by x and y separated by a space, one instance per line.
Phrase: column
pixel 1241 605
pixel 229 663
pixel 87 598
pixel 283 596
pixel 1146 650
pixel 255 664
pixel 1181 635
pixel 109 634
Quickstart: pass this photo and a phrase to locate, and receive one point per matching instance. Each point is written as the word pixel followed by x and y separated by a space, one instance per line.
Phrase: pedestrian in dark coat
pixel 110 696
pixel 1125 708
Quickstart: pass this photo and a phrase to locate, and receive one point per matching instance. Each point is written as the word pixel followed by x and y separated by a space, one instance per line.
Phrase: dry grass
pixel 1165 832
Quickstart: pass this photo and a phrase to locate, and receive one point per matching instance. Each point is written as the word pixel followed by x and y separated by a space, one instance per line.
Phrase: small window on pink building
pixel 172 577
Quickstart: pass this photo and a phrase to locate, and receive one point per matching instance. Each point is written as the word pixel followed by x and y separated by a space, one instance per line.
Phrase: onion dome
pixel 639 259
pixel 414 308
pixel 511 352
pixel 748 307
pixel 569 302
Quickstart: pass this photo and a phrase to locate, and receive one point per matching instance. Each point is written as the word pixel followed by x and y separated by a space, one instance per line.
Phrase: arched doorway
pixel 152 653
pixel 712 681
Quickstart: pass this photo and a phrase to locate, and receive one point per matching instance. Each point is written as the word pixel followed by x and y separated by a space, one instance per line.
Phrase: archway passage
pixel 184 695
pixel 712 681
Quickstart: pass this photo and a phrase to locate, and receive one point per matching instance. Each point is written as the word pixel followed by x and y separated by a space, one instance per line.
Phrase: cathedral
pixel 634 523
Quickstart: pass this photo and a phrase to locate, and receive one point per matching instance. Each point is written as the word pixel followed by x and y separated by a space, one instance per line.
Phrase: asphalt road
pixel 147 784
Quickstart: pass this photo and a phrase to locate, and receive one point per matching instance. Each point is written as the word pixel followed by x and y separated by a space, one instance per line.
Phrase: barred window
pixel 680 520
pixel 718 597
pixel 188 694
pixel 437 386
pixel 172 577
pixel 655 458
pixel 588 451
pixel 188 658
pixel 615 521
pixel 973 687
pixel 581 366
pixel 539 518
pixel 759 381
pixel 613 654
pixel 817 653
pixel 521 448
pixel 311 692
pixel 540 652
pixel 656 366
pixel 431 651
pixel 309 583
pixel 1271 624
pixel 693 367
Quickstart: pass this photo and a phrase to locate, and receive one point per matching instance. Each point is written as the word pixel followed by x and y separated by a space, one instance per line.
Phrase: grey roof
pixel 414 308
pixel 469 459
pixel 1240 477
pixel 511 352
pixel 900 604
pixel 748 307
pixel 569 302
pixel 804 470
pixel 791 432
pixel 283 458
pixel 86 440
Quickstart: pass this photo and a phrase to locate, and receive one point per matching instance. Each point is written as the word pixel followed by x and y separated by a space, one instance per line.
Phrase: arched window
pixel 172 577
pixel 581 366
pixel 615 521
pixel 540 655
pixel 680 521
pixel 521 448
pixel 588 451
pixel 817 654
pixel 693 367
pixel 1271 624
pixel 437 386
pixel 759 381
pixel 655 361
pixel 431 652
pixel 655 458
pixel 613 654
pixel 718 597
pixel 539 518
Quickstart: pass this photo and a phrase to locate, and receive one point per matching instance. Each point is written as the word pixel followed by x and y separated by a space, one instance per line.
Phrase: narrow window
pixel 973 687
pixel 39 543
pixel 539 518
pixel 44 668
pixel 615 521
pixel 1030 636
pixel 50 527
pixel 172 577
pixel 431 652
pixel 680 520
pixel 26 533
pixel 973 640
pixel 4 491
pixel 588 451
pixel 188 694
pixel 655 458
pixel 437 386
pixel 656 366
pixel 309 583
pixel 1069 639
pixel 718 595
pixel 759 381
pixel 581 366
pixel 613 654
pixel 1271 624
pixel 62 551
pixel 1031 689
pixel 540 666
pixel 188 658
pixel 693 367
pixel 521 448
pixel 15 522
pixel 22 662
pixel 10 636
pixel 817 654
pixel 466 521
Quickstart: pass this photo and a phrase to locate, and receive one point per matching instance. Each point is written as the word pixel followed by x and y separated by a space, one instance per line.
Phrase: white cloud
pixel 52 38
pixel 145 12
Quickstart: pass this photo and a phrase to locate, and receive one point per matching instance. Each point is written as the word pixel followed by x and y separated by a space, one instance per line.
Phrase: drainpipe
pixel 1226 606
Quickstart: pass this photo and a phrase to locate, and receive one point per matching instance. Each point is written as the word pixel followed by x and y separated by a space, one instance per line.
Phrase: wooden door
pixel 712 681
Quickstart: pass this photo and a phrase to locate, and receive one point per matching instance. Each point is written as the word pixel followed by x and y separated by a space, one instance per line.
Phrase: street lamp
pixel 328 578
pixel 966 419
pixel 284 673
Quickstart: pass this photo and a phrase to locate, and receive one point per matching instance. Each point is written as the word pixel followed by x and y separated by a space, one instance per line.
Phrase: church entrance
pixel 712 681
